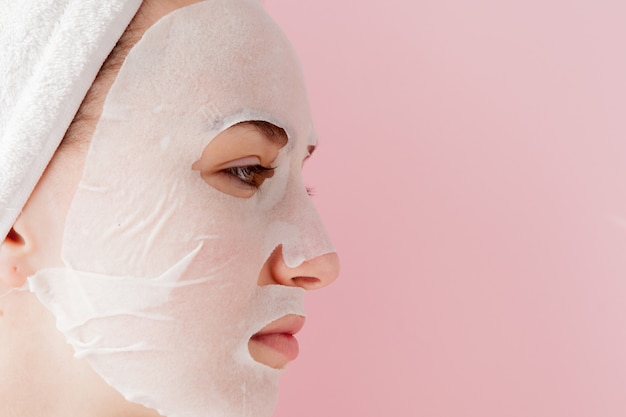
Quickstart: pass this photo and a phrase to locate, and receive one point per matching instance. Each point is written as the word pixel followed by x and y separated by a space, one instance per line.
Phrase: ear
pixel 15 256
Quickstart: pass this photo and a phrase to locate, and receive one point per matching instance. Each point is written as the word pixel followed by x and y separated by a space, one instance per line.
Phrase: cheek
pixel 46 210
pixel 234 230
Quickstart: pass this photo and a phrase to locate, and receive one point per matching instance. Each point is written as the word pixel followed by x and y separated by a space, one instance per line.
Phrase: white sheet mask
pixel 160 291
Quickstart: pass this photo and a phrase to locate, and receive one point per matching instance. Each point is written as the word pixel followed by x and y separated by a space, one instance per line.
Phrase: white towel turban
pixel 50 53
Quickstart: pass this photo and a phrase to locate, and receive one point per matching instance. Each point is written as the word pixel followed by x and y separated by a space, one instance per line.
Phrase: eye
pixel 251 175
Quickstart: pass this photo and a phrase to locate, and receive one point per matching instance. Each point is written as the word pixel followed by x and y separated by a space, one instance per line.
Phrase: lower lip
pixel 285 344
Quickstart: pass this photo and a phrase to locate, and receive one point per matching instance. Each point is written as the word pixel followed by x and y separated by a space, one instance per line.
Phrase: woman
pixel 170 239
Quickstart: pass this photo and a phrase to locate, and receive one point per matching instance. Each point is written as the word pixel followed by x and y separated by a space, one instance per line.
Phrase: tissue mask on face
pixel 160 291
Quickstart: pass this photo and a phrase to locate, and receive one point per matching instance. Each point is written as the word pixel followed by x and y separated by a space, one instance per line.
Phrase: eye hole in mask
pixel 240 159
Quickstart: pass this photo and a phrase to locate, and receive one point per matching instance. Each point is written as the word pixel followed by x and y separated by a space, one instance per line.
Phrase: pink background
pixel 472 173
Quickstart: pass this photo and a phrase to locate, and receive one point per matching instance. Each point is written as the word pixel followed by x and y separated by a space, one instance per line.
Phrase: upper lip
pixel 289 324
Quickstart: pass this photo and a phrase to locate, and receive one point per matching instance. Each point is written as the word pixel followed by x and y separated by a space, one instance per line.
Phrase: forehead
pixel 227 63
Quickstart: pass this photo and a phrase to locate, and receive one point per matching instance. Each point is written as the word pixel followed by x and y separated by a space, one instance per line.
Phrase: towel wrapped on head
pixel 51 51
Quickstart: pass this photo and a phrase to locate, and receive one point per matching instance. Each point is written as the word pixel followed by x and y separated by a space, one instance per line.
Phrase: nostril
pixel 307 282
pixel 15 237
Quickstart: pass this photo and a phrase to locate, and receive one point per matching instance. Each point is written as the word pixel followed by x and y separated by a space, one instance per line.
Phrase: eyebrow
pixel 273 133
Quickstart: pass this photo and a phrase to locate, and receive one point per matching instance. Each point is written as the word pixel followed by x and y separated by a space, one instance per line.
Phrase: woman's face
pixel 191 236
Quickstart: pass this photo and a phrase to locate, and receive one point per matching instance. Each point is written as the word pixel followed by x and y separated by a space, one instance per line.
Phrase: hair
pixel 81 128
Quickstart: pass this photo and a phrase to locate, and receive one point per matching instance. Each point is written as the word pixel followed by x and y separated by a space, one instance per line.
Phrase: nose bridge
pixel 298 227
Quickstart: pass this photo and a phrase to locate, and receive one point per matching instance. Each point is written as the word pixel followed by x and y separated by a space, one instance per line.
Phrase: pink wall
pixel 472 172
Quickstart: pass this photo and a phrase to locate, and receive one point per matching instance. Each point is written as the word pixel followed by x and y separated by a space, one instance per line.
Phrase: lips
pixel 274 345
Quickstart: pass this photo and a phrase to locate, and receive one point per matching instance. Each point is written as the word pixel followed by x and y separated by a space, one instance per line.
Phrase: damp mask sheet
pixel 159 291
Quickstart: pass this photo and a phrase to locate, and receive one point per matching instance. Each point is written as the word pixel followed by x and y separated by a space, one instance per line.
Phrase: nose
pixel 311 274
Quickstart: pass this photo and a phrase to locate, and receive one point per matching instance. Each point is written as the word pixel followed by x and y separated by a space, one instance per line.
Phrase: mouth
pixel 275 344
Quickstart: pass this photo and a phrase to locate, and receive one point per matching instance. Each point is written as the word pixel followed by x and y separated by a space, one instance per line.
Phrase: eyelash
pixel 253 176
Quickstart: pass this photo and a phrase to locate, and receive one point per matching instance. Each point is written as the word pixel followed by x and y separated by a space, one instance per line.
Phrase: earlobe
pixel 15 253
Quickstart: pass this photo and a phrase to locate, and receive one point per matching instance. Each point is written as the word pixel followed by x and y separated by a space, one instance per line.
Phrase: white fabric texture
pixel 50 53
pixel 160 291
